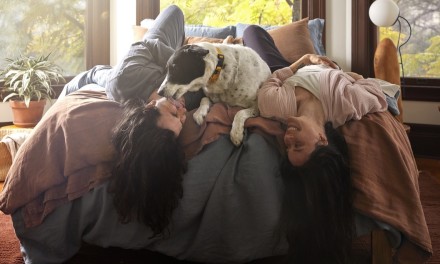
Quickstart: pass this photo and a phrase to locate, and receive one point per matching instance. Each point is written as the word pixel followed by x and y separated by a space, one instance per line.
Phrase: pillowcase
pixel 316 27
pixel 242 26
pixel 293 40
pixel 138 33
pixel 209 32
pixel 195 33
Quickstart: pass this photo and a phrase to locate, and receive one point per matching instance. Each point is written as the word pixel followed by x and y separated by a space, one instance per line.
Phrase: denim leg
pixel 168 27
pixel 258 39
pixel 98 75
pixel 144 67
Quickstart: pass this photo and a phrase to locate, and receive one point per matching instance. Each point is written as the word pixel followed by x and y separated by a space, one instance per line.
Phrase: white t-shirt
pixel 307 78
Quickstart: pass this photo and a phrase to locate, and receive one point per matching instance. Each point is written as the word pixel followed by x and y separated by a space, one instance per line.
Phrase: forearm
pixel 279 76
pixel 309 59
pixel 301 62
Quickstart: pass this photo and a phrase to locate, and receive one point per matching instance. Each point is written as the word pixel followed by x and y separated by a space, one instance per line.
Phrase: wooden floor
pixel 430 165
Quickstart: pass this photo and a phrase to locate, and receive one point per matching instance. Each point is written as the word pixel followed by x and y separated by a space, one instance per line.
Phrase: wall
pixel 338 32
pixel 338 47
pixel 122 18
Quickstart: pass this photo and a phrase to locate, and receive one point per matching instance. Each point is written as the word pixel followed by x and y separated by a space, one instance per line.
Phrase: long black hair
pixel 317 211
pixel 147 177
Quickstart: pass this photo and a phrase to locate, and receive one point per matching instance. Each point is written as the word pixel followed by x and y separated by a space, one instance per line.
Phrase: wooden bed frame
pixel 386 67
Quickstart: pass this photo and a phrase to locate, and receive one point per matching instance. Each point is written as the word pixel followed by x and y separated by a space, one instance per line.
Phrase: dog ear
pixel 186 64
pixel 197 50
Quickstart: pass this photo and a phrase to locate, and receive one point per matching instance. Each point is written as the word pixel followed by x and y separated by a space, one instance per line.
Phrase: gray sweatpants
pixel 142 70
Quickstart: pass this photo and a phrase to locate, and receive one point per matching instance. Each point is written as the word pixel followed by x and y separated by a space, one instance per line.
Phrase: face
pixel 185 71
pixel 172 114
pixel 302 137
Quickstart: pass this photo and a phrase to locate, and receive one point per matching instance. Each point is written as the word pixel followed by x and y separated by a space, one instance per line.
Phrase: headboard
pixel 386 67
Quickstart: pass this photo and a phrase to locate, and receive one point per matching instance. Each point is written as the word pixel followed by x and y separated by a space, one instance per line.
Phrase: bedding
pixel 304 36
pixel 232 195
pixel 237 189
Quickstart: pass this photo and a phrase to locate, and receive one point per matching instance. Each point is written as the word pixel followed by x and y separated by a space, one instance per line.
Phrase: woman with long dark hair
pixel 312 97
pixel 147 176
pixel 317 211
pixel 146 181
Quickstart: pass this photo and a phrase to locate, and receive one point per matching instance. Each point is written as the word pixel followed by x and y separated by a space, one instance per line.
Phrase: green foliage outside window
pixel 36 27
pixel 421 55
pixel 230 12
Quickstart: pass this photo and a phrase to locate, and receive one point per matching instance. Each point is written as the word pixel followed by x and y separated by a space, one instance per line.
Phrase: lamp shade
pixel 384 13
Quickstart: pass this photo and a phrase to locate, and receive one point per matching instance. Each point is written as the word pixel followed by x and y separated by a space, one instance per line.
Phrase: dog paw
pixel 236 135
pixel 201 112
pixel 199 117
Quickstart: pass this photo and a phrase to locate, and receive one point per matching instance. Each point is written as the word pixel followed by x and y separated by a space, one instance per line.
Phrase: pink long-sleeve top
pixel 342 97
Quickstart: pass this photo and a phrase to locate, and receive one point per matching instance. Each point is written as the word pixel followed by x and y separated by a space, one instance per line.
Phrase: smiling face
pixel 302 137
pixel 172 114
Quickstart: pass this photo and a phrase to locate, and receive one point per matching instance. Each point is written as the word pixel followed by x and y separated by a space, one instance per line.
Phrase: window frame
pixel 97 37
pixel 364 42
pixel 309 8
pixel 97 33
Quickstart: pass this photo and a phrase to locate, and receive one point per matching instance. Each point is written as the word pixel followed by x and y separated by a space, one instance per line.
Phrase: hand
pixel 228 40
pixel 317 59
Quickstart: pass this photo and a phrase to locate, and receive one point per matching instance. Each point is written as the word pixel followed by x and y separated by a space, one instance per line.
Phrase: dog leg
pixel 200 114
pixel 237 129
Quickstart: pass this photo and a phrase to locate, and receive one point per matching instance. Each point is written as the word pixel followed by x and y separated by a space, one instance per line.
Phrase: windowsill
pixel 421 93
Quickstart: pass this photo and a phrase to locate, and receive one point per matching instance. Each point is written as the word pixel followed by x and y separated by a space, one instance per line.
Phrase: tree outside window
pixel 224 13
pixel 41 27
pixel 421 55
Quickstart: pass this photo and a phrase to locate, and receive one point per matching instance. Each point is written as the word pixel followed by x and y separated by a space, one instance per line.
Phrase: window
pixel 45 27
pixel 364 41
pixel 421 54
pixel 221 13
pixel 74 32
pixel 309 8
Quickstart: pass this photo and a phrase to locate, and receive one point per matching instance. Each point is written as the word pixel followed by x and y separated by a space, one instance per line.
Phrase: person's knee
pixel 254 35
pixel 174 10
pixel 252 30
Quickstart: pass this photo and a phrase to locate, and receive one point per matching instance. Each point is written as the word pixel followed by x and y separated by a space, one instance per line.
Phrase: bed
pixel 232 195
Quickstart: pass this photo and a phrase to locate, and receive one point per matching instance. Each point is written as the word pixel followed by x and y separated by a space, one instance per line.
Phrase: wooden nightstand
pixel 7 130
pixel 5 156
pixel 5 161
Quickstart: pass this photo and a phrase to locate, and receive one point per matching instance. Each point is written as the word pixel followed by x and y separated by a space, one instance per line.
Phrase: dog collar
pixel 219 67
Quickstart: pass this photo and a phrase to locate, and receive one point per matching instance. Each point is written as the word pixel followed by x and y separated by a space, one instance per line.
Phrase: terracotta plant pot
pixel 24 116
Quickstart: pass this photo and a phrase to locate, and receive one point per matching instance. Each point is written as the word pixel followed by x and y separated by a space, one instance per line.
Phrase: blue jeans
pixel 142 70
pixel 259 39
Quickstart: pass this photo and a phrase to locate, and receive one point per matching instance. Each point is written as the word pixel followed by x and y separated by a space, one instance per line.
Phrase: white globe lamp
pixel 384 13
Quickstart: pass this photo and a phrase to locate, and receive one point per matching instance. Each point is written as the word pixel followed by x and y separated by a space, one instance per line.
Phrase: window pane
pixel 421 55
pixel 225 13
pixel 34 27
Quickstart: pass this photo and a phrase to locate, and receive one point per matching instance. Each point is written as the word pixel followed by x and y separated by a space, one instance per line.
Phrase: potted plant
pixel 27 81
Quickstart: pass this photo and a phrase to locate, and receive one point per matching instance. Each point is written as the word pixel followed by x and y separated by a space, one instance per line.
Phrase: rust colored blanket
pixel 68 153
pixel 384 170
pixel 385 177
